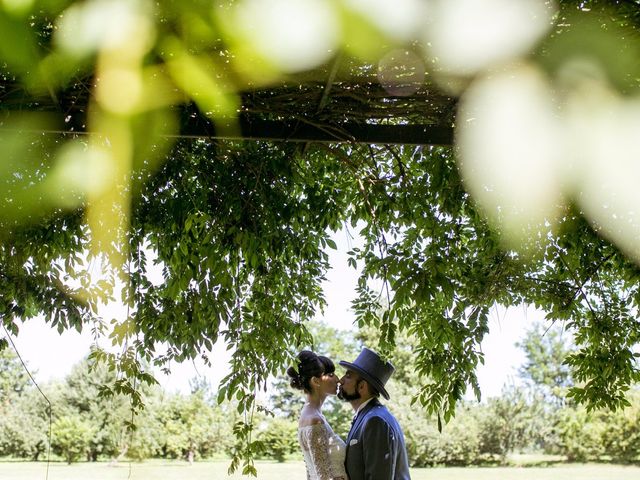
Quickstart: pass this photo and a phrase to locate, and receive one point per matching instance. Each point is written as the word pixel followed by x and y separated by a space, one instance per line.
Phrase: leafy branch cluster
pixel 239 230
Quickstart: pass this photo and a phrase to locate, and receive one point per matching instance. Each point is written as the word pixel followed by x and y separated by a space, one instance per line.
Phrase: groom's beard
pixel 348 397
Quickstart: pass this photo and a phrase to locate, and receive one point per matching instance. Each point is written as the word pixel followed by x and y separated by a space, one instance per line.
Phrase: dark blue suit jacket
pixel 375 446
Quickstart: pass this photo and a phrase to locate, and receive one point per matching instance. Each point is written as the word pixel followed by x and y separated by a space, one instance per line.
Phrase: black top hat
pixel 371 367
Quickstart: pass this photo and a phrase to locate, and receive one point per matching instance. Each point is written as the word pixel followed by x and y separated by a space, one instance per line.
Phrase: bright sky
pixel 51 355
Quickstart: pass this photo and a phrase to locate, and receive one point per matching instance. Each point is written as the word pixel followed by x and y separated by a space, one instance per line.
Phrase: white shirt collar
pixel 362 405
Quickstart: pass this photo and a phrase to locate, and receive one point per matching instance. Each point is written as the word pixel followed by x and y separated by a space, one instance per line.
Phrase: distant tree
pixel 24 426
pixel 545 368
pixel 510 422
pixel 79 396
pixel 71 437
pixel 13 377
pixel 191 426
pixel 24 413
pixel 279 438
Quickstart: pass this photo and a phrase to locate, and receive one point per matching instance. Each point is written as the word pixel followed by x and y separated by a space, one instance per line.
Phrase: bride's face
pixel 329 383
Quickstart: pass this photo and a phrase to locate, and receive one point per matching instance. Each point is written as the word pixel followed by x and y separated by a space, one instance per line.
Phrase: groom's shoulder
pixel 381 411
pixel 379 417
pixel 378 410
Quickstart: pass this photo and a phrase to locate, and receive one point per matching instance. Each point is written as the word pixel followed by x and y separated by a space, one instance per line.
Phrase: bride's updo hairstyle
pixel 309 365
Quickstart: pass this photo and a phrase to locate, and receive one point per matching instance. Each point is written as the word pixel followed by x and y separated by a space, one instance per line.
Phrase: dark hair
pixel 309 365
pixel 373 390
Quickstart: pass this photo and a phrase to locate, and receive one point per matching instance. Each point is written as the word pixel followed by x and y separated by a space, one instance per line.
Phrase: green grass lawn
pixel 175 470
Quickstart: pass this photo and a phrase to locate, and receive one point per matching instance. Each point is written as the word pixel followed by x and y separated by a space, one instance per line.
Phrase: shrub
pixel 71 437
pixel 581 435
pixel 621 434
pixel 279 439
pixel 458 444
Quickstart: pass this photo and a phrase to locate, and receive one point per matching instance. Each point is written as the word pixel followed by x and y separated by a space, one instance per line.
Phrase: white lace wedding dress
pixel 323 452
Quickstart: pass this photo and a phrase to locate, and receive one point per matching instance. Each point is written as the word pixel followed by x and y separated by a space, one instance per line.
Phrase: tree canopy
pixel 240 229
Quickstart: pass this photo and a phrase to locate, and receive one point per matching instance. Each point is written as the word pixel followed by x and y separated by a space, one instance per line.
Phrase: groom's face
pixel 349 386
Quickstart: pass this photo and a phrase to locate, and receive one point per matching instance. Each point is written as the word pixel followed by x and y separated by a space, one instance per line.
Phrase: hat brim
pixel 364 374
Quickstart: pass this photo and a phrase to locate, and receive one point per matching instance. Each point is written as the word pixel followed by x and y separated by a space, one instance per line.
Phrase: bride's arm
pixel 319 450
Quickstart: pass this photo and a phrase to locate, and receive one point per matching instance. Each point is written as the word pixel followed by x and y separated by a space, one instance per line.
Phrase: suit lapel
pixel 355 427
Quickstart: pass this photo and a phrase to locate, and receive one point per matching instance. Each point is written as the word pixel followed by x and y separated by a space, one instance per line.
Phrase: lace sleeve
pixel 318 445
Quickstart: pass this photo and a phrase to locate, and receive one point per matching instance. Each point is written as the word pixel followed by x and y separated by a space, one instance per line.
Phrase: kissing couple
pixel 374 448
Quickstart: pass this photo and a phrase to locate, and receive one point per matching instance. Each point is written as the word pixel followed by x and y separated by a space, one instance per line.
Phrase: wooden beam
pixel 251 128
pixel 303 131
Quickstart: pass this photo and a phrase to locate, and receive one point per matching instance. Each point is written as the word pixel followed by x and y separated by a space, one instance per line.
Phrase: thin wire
pixel 41 392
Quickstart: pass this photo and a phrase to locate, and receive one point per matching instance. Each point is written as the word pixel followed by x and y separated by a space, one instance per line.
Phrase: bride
pixel 323 450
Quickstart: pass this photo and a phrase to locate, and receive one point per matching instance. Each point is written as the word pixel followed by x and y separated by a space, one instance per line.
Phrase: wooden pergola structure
pixel 355 110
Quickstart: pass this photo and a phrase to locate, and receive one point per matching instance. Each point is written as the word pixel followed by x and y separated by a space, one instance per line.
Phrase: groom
pixel 375 445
